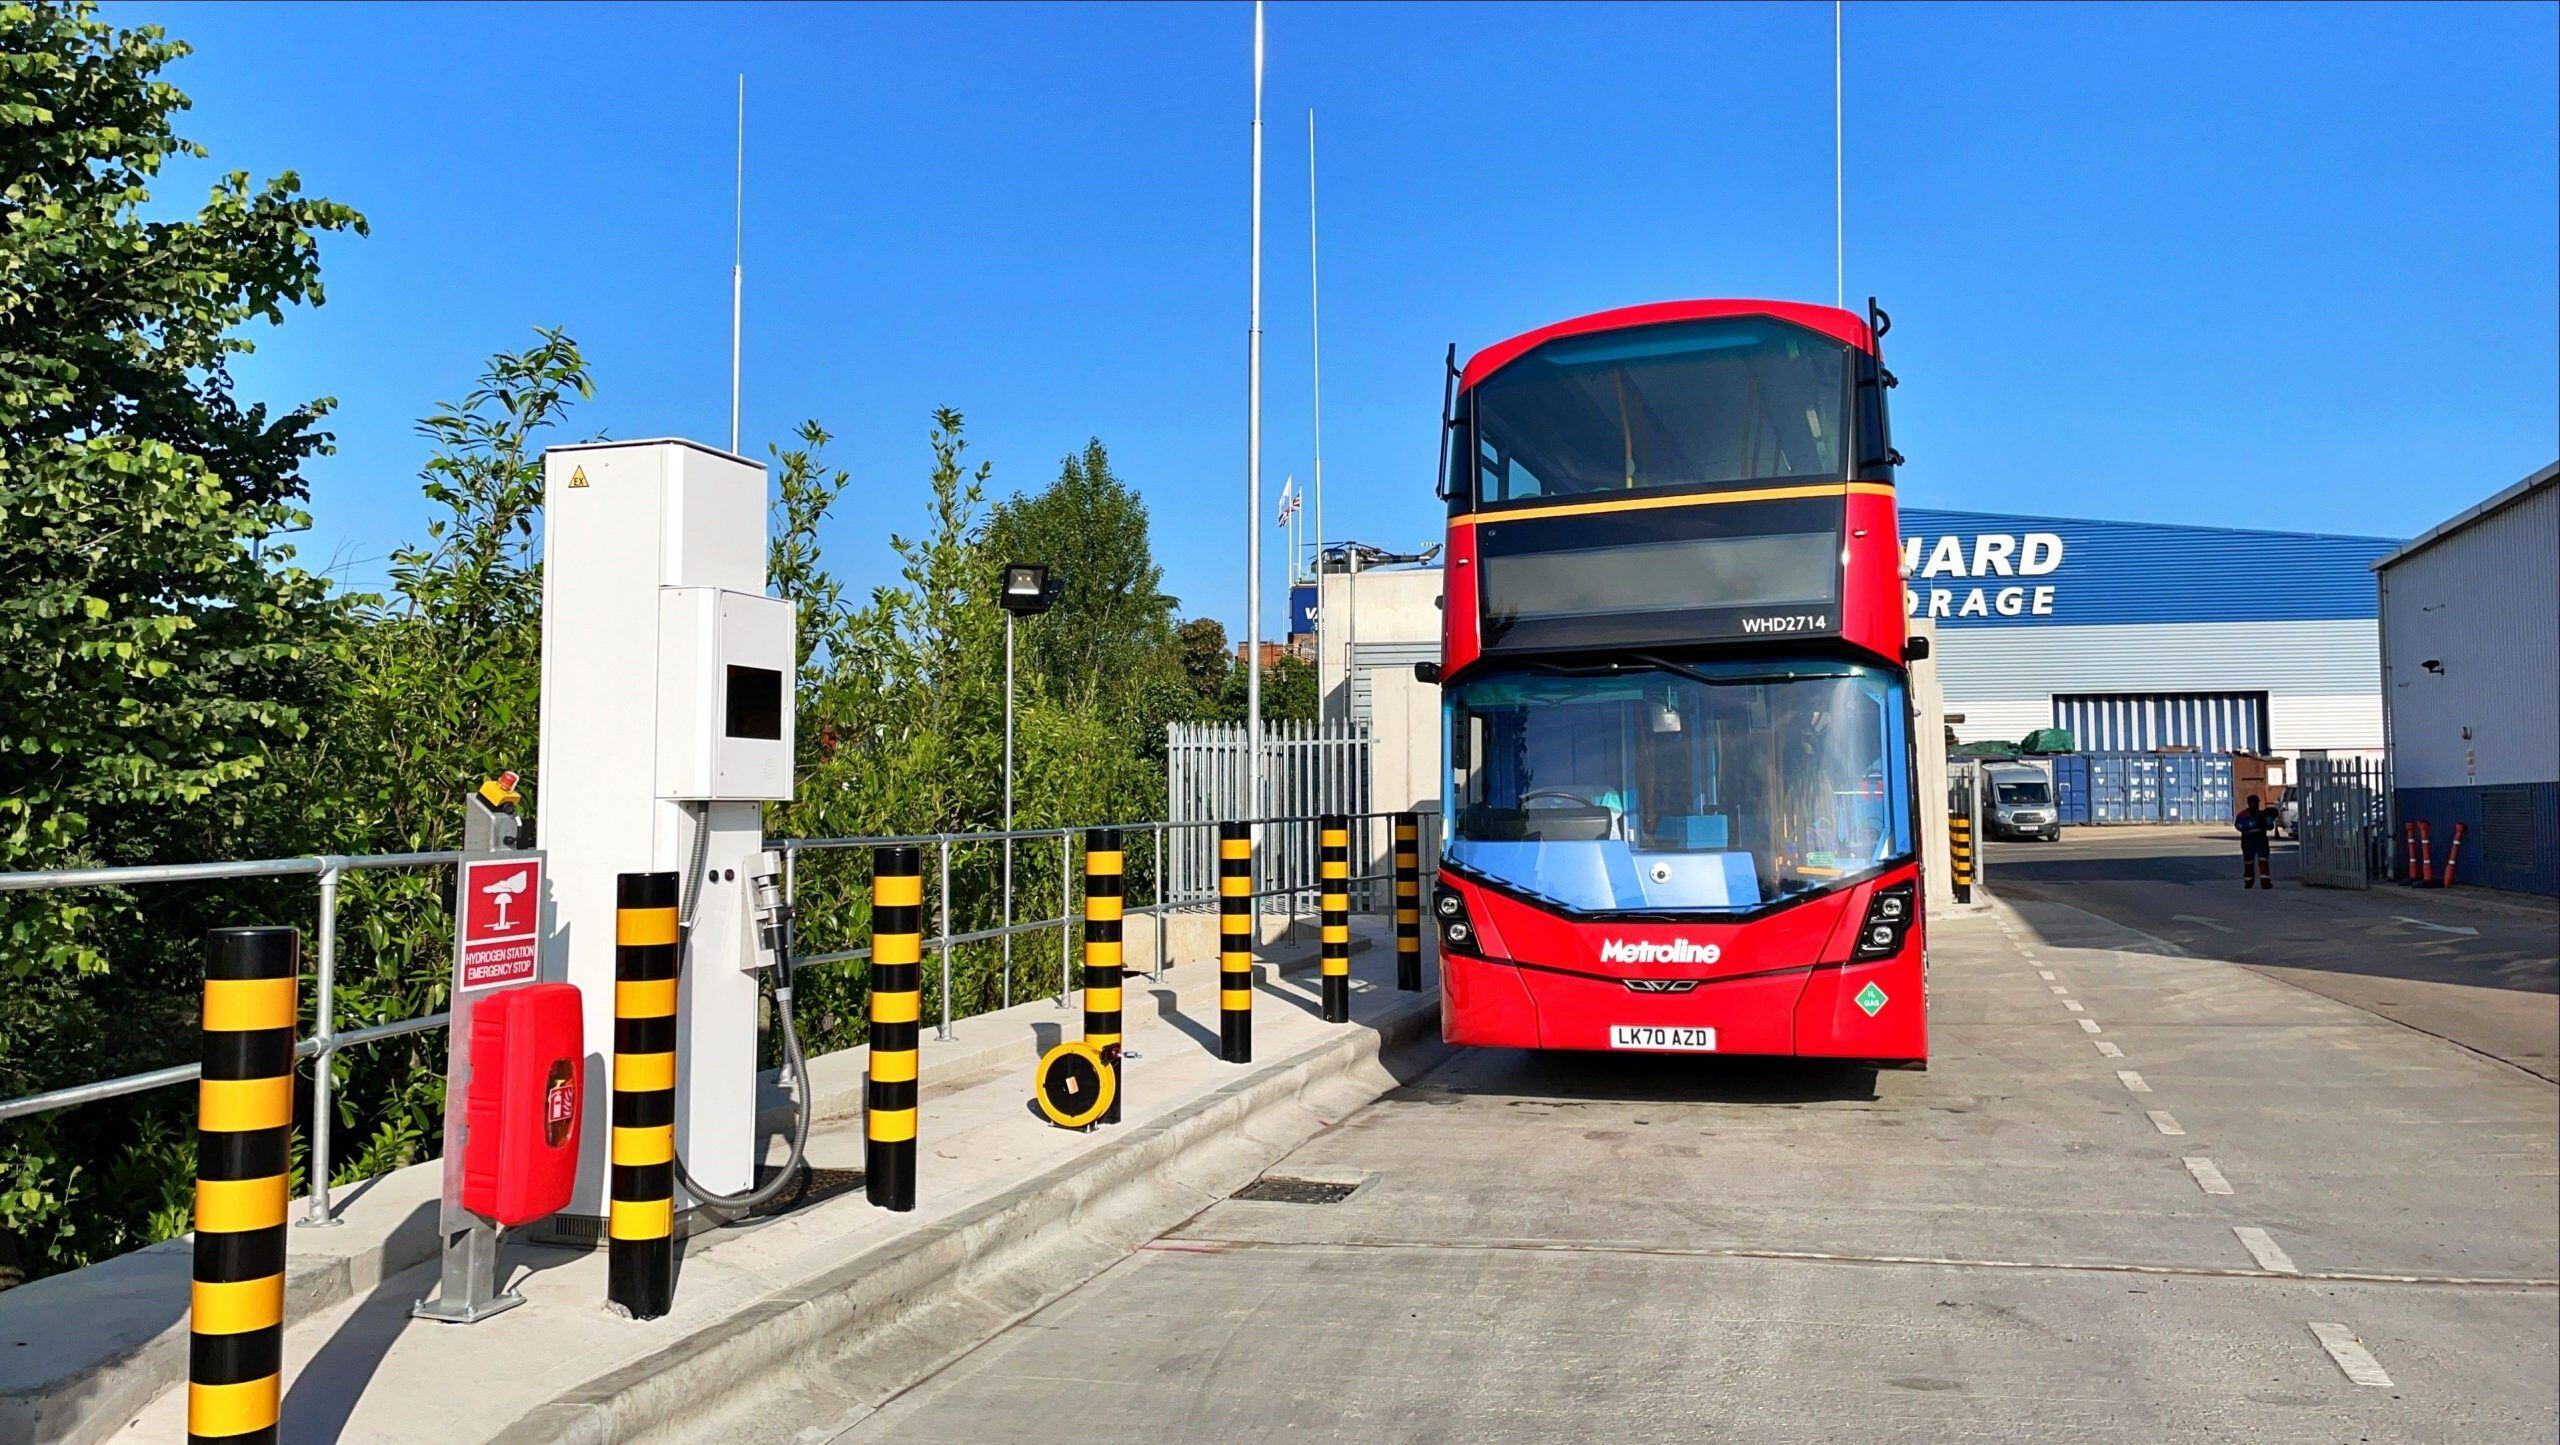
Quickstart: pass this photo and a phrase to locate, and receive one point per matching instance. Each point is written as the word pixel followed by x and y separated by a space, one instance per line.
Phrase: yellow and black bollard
pixel 640 1250
pixel 897 1008
pixel 1103 885
pixel 1408 902
pixel 1960 855
pixel 1333 913
pixel 1235 942
pixel 244 1135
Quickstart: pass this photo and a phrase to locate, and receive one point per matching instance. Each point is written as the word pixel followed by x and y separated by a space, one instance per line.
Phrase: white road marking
pixel 2089 1025
pixel 2132 1081
pixel 2046 974
pixel 2073 1004
pixel 2162 1122
pixel 2109 1051
pixel 2058 988
pixel 2269 1254
pixel 2208 1176
pixel 2216 926
pixel 2354 1360
pixel 2436 927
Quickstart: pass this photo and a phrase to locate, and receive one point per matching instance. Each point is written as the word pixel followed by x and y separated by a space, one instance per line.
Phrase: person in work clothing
pixel 2256 825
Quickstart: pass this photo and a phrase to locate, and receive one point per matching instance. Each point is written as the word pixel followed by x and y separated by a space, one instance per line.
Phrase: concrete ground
pixel 2481 969
pixel 364 1370
pixel 2143 1194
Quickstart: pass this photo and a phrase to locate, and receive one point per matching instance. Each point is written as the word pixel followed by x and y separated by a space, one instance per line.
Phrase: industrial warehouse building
pixel 2470 659
pixel 2138 636
pixel 2135 636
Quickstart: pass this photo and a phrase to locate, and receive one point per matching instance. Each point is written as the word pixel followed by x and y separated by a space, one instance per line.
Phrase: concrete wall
pixel 1392 616
pixel 1928 730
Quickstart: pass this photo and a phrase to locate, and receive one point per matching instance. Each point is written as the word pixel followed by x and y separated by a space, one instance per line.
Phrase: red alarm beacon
pixel 528 1073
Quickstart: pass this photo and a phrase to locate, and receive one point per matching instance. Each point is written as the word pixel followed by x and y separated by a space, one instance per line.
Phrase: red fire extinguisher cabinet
pixel 528 1074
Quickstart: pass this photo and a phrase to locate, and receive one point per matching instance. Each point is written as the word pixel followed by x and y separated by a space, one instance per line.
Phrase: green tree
pixel 1112 619
pixel 441 688
pixel 1288 692
pixel 157 637
pixel 444 681
pixel 1200 649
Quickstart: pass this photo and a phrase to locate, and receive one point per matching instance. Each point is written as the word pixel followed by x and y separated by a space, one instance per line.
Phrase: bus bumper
pixel 1874 1012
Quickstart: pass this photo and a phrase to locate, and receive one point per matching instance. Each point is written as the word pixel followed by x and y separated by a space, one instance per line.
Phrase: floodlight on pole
pixel 1025 591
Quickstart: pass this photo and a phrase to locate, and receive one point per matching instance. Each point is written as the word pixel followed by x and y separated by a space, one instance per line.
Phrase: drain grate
pixel 814 1185
pixel 1275 1190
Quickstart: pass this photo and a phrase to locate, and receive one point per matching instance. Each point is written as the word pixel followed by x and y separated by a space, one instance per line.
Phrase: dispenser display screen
pixel 755 702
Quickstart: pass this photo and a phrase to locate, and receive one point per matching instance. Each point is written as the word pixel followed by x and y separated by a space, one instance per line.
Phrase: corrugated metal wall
pixel 2213 722
pixel 2332 657
pixel 2484 605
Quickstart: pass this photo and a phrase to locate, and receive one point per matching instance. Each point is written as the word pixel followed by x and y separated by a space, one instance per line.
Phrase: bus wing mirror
pixel 1427 673
pixel 1915 649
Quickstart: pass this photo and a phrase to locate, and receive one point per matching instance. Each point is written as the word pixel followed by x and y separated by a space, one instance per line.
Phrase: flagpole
pixel 1253 466
pixel 1315 334
pixel 738 267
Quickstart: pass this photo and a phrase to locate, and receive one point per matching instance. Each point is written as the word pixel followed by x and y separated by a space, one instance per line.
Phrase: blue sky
pixel 2262 266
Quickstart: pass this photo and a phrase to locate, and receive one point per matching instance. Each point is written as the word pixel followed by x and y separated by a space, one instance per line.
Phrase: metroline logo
pixel 1678 950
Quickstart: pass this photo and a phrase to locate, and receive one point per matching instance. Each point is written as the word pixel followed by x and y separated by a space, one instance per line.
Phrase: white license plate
pixel 1662 1037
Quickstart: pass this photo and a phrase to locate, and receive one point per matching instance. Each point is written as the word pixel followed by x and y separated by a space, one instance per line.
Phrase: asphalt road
pixel 2140 1196
pixel 2480 969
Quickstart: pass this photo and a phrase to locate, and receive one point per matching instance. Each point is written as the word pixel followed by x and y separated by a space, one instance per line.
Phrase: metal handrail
pixel 327 1040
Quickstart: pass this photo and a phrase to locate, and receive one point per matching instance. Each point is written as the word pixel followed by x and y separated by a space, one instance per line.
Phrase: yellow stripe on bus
pixel 1694 499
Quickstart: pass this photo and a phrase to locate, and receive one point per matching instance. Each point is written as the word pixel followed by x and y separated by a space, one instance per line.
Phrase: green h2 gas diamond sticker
pixel 1870 998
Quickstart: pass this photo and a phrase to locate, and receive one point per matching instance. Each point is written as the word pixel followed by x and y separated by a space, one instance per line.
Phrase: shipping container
pixel 2125 787
pixel 2071 787
pixel 2259 774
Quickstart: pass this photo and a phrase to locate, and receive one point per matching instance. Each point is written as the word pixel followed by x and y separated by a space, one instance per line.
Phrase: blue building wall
pixel 2071 572
pixel 2530 864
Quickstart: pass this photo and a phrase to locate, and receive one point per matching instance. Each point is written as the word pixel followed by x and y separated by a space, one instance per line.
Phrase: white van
pixel 2020 802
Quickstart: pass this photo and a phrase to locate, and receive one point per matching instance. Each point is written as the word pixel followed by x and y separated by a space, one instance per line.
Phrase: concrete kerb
pixel 837 1078
pixel 843 1343
pixel 81 1352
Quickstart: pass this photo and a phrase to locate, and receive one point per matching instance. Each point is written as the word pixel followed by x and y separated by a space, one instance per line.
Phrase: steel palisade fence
pixel 1308 769
pixel 1293 885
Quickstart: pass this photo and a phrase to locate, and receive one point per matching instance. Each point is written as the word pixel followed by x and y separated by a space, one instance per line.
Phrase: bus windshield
pixel 1682 405
pixel 1723 787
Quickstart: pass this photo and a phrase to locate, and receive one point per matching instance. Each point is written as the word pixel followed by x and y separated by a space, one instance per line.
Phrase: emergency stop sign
pixel 501 922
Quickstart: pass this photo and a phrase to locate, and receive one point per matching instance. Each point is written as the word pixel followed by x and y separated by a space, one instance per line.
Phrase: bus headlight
pixel 1888 922
pixel 1457 931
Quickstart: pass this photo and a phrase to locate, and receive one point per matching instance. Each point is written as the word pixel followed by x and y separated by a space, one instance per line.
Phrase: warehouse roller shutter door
pixel 2209 722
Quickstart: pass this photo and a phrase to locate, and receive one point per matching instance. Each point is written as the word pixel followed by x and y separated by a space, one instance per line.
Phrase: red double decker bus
pixel 1679 801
